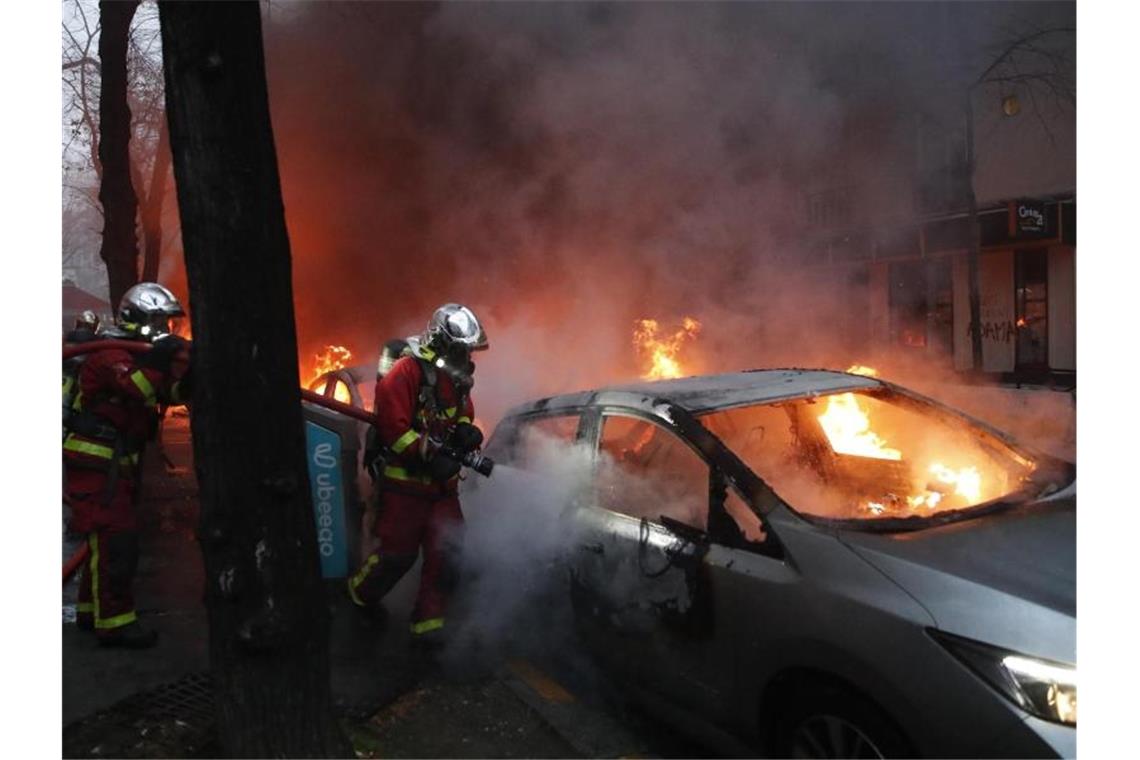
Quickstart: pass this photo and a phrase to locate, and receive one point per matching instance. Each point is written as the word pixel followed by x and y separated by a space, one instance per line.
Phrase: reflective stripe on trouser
pixel 377 576
pixel 105 587
pixel 426 626
pixel 411 523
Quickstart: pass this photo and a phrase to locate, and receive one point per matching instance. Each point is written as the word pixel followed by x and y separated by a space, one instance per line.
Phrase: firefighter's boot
pixel 130 636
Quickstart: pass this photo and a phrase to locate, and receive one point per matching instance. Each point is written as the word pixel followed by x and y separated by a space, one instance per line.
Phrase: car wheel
pixel 833 722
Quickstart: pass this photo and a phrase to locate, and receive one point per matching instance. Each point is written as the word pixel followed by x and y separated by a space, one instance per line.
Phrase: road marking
pixel 542 684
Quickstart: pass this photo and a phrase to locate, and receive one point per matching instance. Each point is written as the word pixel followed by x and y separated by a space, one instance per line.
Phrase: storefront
pixel 920 296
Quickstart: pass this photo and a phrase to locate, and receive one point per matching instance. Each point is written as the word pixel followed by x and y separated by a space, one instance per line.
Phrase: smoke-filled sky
pixel 564 169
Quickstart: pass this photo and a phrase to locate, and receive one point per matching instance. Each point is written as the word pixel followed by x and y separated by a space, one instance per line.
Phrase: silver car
pixel 819 564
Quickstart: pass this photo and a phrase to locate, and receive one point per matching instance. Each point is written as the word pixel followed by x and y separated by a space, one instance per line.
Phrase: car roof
pixel 709 392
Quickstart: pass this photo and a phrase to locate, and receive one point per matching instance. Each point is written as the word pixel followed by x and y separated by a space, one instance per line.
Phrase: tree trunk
pixel 269 623
pixel 119 249
pixel 151 215
pixel 974 254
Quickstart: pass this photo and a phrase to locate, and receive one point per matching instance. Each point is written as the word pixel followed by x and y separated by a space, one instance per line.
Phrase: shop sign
pixel 1027 219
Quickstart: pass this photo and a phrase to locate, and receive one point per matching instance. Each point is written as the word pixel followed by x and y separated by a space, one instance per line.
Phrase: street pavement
pixel 500 701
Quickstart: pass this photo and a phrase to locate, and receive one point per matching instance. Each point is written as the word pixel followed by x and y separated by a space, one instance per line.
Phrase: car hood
pixel 1007 578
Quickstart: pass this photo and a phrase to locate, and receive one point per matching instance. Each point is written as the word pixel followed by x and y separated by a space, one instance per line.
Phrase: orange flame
pixel 662 352
pixel 859 369
pixel 332 358
pixel 848 429
pixel 847 426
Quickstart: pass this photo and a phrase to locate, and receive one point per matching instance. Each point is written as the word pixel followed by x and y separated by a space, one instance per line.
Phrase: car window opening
pixel 646 471
pixel 867 456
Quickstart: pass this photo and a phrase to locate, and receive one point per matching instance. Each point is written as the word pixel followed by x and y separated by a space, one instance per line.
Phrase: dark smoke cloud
pixel 566 168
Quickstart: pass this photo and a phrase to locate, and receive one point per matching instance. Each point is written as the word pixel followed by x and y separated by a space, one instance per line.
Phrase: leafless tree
pixel 148 147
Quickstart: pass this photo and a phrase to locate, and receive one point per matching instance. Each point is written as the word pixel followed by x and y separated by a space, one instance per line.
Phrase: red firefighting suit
pixel 116 412
pixel 416 512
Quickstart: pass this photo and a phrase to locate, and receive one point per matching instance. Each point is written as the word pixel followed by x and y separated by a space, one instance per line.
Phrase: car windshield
pixel 873 455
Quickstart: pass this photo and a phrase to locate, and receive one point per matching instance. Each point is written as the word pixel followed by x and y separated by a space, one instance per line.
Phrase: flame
pixel 1021 322
pixel 332 358
pixel 848 429
pixel 662 352
pixel 967 481
pixel 859 369
pixel 847 426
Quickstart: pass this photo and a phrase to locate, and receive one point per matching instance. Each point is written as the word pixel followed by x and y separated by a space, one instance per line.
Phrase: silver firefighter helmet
pixel 88 320
pixel 454 330
pixel 146 310
pixel 452 333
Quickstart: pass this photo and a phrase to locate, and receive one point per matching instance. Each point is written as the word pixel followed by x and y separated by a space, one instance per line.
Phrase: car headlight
pixel 1044 688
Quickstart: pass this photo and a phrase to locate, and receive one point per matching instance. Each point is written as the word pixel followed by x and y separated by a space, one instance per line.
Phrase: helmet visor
pixel 463 329
pixel 156 325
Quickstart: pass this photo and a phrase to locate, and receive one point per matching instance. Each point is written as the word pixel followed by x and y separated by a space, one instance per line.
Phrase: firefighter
pixel 115 413
pixel 86 328
pixel 423 402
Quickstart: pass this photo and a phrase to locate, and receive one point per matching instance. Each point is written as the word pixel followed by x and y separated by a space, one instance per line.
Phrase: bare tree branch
pixel 84 61
pixel 1016 45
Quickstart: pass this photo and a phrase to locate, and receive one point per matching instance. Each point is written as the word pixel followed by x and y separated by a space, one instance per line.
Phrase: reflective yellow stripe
pixel 115 622
pixel 86 447
pixel 431 624
pixel 404 441
pixel 68 381
pixel 464 419
pixel 103 623
pixel 85 607
pixel 96 450
pixel 140 381
pixel 355 581
pixel 399 473
pixel 450 411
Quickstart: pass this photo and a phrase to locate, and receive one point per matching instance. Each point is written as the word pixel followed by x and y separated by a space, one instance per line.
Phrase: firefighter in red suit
pixel 114 414
pixel 422 402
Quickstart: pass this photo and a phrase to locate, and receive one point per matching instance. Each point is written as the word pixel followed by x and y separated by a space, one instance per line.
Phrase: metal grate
pixel 189 699
pixel 173 720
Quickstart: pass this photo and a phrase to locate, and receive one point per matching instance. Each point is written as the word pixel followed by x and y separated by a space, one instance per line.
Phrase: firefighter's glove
pixel 466 437
pixel 162 352
pixel 442 468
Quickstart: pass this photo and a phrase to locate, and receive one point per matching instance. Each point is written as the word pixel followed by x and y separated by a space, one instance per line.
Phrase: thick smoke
pixel 565 169
pixel 518 542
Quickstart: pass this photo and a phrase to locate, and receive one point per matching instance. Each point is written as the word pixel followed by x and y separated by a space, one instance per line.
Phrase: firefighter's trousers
pixel 407 524
pixel 106 584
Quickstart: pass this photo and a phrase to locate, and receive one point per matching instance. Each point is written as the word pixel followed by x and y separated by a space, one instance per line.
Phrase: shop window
pixel 646 471
pixel 1031 295
pixel 908 303
pixel 940 312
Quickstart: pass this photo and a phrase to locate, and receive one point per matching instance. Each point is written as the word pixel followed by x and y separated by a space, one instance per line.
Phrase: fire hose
pixel 472 459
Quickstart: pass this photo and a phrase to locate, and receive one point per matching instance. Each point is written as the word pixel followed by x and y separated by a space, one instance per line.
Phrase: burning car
pixel 349 385
pixel 821 563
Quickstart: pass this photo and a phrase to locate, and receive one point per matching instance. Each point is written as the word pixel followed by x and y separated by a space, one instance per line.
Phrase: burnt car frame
pixel 813 637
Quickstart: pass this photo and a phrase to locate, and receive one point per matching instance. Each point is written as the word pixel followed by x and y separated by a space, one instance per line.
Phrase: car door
pixel 643 589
